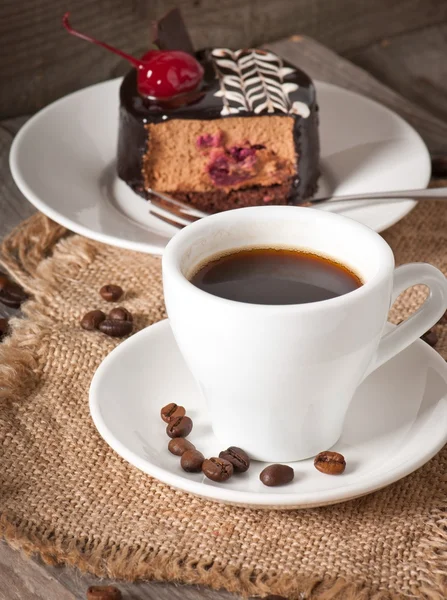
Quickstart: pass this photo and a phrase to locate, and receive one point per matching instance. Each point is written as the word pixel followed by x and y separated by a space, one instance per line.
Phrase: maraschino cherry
pixel 161 74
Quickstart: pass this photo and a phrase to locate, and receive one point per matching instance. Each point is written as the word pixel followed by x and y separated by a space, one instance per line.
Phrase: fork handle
pixel 428 194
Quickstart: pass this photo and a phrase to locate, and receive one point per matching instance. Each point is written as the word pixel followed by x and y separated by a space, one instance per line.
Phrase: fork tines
pixel 173 211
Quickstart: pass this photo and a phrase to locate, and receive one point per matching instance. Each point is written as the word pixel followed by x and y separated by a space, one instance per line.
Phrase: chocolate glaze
pixel 136 111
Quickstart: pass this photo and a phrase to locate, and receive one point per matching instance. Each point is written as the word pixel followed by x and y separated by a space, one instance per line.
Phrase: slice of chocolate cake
pixel 248 136
pixel 218 129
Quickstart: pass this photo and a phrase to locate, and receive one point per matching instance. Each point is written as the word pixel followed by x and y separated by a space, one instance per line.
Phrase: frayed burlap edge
pixel 130 565
pixel 28 252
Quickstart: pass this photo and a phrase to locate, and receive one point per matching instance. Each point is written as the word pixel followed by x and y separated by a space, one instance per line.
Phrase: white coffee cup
pixel 278 379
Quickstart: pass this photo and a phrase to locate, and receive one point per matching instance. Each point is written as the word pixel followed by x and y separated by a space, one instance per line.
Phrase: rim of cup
pixel 178 245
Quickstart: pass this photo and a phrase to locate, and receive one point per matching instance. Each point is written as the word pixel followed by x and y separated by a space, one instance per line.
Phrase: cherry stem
pixel 133 61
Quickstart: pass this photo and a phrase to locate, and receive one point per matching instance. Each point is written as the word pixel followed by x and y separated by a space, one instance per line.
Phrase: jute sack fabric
pixel 66 495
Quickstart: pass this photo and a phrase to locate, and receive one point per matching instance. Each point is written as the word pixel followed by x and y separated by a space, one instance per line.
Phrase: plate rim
pixel 148 247
pixel 243 498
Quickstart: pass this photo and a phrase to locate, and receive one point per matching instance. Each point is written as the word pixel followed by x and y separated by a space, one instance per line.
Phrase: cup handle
pixel 420 321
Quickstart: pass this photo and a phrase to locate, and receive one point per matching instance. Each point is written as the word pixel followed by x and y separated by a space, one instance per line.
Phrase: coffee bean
pixel 439 166
pixel 179 446
pixel 4 279
pixel 120 314
pixel 331 463
pixel 237 457
pixel 12 295
pixel 192 461
pixel 92 319
pixel 217 469
pixel 172 410
pixel 115 328
pixel 270 597
pixel 179 427
pixel 103 592
pixel 277 475
pixel 430 337
pixel 4 327
pixel 111 292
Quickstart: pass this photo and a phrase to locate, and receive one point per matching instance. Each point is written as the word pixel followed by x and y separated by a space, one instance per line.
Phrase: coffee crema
pixel 274 276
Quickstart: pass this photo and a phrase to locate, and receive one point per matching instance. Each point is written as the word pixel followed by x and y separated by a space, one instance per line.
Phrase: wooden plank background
pixel 40 62
pixel 414 64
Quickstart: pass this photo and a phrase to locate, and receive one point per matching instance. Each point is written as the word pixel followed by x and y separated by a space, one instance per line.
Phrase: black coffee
pixel 275 276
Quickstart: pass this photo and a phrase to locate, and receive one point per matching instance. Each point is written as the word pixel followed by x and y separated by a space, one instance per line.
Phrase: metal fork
pixel 179 214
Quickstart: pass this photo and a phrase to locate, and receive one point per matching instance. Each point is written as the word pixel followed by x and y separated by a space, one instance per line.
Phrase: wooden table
pixel 30 579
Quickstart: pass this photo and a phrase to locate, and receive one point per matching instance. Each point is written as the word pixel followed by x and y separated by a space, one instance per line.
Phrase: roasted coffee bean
pixel 103 592
pixel 270 597
pixel 116 328
pixel 92 319
pixel 179 427
pixel 217 469
pixel 4 327
pixel 179 446
pixel 12 295
pixel 277 475
pixel 120 314
pixel 237 457
pixel 172 410
pixel 111 292
pixel 192 461
pixel 4 279
pixel 439 166
pixel 331 463
pixel 430 337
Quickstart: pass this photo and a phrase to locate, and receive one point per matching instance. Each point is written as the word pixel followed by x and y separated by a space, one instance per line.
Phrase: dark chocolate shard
pixel 170 33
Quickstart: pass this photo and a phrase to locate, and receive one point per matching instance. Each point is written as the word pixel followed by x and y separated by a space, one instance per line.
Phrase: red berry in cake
pixel 161 74
pixel 241 154
pixel 234 165
pixel 206 141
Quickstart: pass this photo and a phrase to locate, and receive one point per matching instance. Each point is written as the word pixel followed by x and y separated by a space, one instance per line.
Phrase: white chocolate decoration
pixel 253 81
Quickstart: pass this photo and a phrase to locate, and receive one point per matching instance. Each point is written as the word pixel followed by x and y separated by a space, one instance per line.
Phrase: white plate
pixel 63 160
pixel 396 422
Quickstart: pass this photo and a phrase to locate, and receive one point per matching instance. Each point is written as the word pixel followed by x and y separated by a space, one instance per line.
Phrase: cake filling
pixel 236 152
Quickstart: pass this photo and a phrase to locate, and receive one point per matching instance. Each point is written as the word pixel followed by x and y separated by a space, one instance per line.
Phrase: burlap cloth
pixel 66 495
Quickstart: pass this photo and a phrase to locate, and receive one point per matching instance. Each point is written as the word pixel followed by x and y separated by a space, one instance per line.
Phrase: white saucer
pixel 63 160
pixel 396 423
